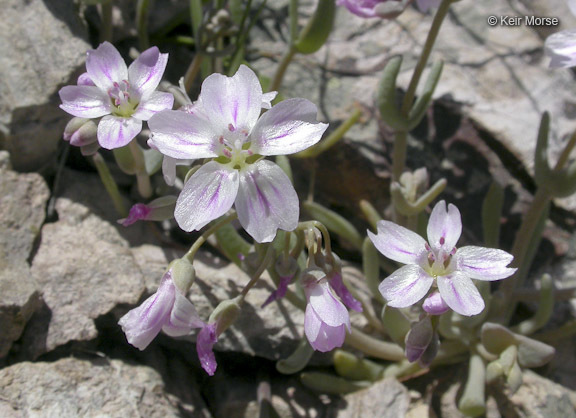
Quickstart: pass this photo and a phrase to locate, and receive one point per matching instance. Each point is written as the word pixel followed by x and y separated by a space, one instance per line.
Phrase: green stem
pixel 281 70
pixel 142 177
pixel 110 184
pixel 142 13
pixel 399 154
pixel 522 244
pixel 202 239
pixel 192 71
pixel 268 258
pixel 563 159
pixel 373 347
pixel 107 26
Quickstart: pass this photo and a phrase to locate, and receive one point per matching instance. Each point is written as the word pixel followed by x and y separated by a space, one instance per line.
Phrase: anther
pixel 231 127
pixel 442 240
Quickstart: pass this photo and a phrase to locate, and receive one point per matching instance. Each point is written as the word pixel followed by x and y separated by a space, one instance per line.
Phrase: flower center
pixel 438 261
pixel 123 99
pixel 235 147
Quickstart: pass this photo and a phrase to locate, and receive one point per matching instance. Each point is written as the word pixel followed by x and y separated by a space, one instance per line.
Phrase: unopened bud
pixel 80 132
pixel 419 338
pixel 159 209
pixel 183 274
pixel 225 314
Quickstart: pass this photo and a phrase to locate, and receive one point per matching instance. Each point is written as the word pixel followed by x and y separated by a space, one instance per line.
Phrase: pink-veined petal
pixel 561 48
pixel 85 80
pixel 204 347
pixel 266 201
pixel 84 101
pixel 156 102
pixel 444 227
pixel 288 127
pixel 235 101
pixel 337 283
pixel 267 99
pixel 207 195
pixel 142 324
pixel 183 317
pixel 105 66
pixel 328 338
pixel 116 132
pixel 146 71
pixel 399 243
pixel 482 263
pixel 181 135
pixel 329 309
pixel 405 286
pixel 434 304
pixel 460 294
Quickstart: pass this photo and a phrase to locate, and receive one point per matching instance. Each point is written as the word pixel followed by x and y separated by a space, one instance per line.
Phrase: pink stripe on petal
pixel 106 66
pixel 84 101
pixel 183 317
pixel 266 201
pixel 399 243
pixel 329 309
pixel 484 263
pixel 116 132
pixel 156 102
pixel 182 135
pixel 145 73
pixel 405 286
pixel 288 127
pixel 235 100
pixel 207 195
pixel 460 294
pixel 444 227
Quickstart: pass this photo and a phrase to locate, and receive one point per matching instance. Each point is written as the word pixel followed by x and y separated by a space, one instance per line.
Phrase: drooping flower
pixel 205 341
pixel 561 46
pixel 125 96
pixel 375 8
pixel 168 310
pixel 337 284
pixel 157 210
pixel 226 126
pixel 326 318
pixel 438 262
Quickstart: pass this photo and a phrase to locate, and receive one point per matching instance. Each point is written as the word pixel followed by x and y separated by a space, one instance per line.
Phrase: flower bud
pixel 419 338
pixel 225 314
pixel 183 274
pixel 157 210
pixel 80 132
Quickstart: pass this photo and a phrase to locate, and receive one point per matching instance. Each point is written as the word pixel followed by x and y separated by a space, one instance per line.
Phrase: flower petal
pixel 116 132
pixel 156 102
pixel 266 201
pixel 267 99
pixel 460 294
pixel 204 343
pixel 181 135
pixel 105 66
pixel 85 80
pixel 280 292
pixel 142 324
pixel 146 71
pixel 561 48
pixel 405 286
pixel 329 309
pixel 235 100
pixel 207 195
pixel 482 263
pixel 183 317
pixel 398 243
pixel 288 127
pixel 434 304
pixel 84 101
pixel 138 212
pixel 444 227
pixel 343 293
pixel 169 168
pixel 359 8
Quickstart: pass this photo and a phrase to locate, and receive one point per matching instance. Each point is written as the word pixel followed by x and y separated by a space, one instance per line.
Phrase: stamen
pixel 431 259
pixel 442 240
pixel 427 247
pixel 221 140
pixel 231 127
pixel 227 153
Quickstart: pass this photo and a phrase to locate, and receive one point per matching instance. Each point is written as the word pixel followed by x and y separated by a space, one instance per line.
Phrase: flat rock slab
pixel 84 269
pixel 44 46
pixel 70 388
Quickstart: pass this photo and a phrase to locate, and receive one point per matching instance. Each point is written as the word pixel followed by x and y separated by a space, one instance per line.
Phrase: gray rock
pixel 23 199
pixel 85 269
pixel 386 398
pixel 71 387
pixel 44 46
